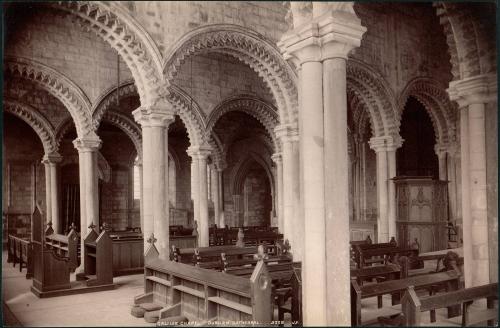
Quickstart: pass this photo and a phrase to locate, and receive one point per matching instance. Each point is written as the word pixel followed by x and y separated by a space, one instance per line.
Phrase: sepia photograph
pixel 249 163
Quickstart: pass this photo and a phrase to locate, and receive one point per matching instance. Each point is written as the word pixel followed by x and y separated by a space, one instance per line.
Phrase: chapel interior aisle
pixel 108 308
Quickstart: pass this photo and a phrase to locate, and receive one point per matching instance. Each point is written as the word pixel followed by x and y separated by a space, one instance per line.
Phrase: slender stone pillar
pixel 138 163
pixel 215 193
pixel 320 49
pixel 440 151
pixel 472 94
pixel 452 178
pixel 393 143
pixel 48 193
pixel 154 123
pixel 380 148
pixel 222 222
pixel 291 186
pixel 194 187
pixel 279 189
pixel 88 147
pixel 199 156
pixel 54 190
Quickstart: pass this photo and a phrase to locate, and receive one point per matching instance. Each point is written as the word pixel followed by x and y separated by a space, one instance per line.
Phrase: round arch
pixel 437 104
pixel 129 127
pixel 110 21
pixel 252 106
pixel 61 87
pixel 38 123
pixel 250 48
pixel 469 57
pixel 373 91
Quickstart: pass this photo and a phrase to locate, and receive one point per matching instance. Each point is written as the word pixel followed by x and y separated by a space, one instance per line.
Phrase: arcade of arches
pixel 295 115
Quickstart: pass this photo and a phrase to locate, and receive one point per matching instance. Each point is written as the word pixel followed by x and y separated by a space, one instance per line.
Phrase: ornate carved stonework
pixel 113 24
pixel 59 86
pixel 41 126
pixel 249 47
pixel 374 92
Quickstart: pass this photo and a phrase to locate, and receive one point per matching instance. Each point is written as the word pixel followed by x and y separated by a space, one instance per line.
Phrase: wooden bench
pixel 205 297
pixel 128 252
pixel 360 248
pixel 66 246
pixel 20 251
pixel 444 262
pixel 390 255
pixel 413 306
pixel 448 280
pixel 98 252
pixel 378 273
pixel 354 243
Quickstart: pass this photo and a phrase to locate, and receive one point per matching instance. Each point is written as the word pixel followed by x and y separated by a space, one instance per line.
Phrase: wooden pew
pixel 446 261
pixel 98 254
pixel 66 246
pixel 360 248
pixel 128 252
pixel 379 273
pixel 20 251
pixel 413 306
pixel 449 280
pixel 51 271
pixel 354 243
pixel 205 296
pixel 390 255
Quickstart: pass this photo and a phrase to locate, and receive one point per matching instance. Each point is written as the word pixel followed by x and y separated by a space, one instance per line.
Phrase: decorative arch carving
pixel 469 38
pixel 190 113
pixel 435 100
pixel 63 128
pixel 252 106
pixel 250 48
pixel 59 86
pixel 131 129
pixel 38 123
pixel 108 99
pixel 375 93
pixel 112 22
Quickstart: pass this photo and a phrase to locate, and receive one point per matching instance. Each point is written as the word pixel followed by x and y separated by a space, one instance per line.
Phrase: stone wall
pixel 23 174
pixel 403 41
pixel 167 21
pixel 215 77
pixel 54 39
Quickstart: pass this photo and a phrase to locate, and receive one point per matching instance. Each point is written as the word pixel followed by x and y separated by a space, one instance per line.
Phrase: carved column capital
pixel 332 33
pixel 88 144
pixel 385 143
pixel 199 152
pixel 53 158
pixel 479 89
pixel 277 158
pixel 154 116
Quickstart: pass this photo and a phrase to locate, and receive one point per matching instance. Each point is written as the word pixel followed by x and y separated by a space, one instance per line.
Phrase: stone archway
pixel 111 22
pixel 38 123
pixel 250 48
pixel 59 86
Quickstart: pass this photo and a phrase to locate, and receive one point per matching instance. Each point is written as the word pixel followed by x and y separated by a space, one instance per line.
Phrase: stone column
pixel 393 144
pixel 472 94
pixel 320 48
pixel 199 156
pixel 138 163
pixel 88 147
pixel 451 169
pixel 220 190
pixel 215 193
pixel 291 187
pixel 440 151
pixel 380 148
pixel 279 189
pixel 48 193
pixel 154 122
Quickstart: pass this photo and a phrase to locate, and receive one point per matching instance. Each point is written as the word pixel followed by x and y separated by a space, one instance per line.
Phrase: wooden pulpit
pixel 422 212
